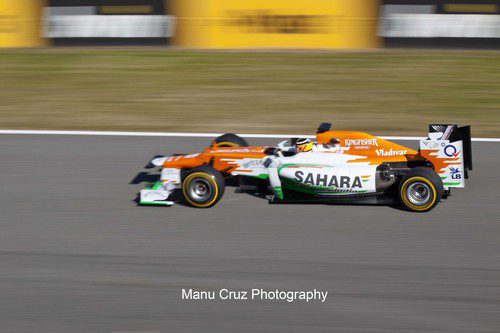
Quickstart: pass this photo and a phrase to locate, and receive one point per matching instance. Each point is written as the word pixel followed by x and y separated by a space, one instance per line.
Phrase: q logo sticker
pixel 451 151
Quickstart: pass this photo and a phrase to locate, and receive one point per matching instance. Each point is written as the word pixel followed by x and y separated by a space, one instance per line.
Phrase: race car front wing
pixel 157 194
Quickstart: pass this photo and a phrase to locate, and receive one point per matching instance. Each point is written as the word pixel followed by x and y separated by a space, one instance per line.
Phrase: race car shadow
pixel 266 194
pixel 327 203
pixel 144 177
pixel 253 192
pixel 397 207
pixel 230 183
pixel 361 201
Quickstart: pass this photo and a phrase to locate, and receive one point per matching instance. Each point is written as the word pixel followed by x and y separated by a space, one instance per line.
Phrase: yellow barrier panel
pixel 276 24
pixel 20 23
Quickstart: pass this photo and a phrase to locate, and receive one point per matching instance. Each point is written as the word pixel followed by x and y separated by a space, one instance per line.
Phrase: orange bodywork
pixel 440 164
pixel 219 158
pixel 376 150
pixel 370 146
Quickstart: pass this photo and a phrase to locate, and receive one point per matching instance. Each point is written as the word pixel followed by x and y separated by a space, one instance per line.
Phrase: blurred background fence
pixel 212 24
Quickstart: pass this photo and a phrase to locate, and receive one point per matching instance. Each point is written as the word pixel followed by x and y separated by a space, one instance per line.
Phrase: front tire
pixel 203 187
pixel 420 189
pixel 230 140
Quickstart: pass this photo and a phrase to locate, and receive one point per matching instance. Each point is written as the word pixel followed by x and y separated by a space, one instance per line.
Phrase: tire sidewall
pixel 230 140
pixel 215 181
pixel 423 175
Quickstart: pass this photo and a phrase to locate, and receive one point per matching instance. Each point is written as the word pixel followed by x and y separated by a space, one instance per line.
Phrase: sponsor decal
pixel 430 144
pixel 335 150
pixel 153 195
pixel 361 142
pixel 455 173
pixel 325 180
pixel 390 152
pixel 253 163
pixel 267 22
pixel 240 150
pixel 170 171
pixel 179 157
pixel 451 151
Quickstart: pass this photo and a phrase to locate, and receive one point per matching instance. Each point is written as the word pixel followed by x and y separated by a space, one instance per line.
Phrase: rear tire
pixel 230 140
pixel 203 187
pixel 420 189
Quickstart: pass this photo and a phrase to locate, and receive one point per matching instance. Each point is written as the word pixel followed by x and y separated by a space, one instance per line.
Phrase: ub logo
pixel 455 173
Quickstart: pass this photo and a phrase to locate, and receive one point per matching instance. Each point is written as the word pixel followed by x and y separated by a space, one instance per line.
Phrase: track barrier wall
pixel 252 24
pixel 210 24
pixel 21 23
pixel 322 24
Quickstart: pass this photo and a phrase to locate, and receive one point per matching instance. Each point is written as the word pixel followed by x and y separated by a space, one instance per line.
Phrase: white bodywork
pixel 170 181
pixel 324 172
pixel 451 154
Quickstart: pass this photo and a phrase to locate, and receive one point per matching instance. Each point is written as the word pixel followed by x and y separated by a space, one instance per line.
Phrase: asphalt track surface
pixel 77 255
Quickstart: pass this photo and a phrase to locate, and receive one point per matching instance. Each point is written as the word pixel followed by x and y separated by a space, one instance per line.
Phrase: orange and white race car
pixel 339 166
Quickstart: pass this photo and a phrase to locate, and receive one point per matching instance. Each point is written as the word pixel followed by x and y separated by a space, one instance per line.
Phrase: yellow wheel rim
pixel 206 177
pixel 226 144
pixel 411 205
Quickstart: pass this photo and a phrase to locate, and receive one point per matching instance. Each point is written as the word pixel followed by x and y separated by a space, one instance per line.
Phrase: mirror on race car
pixel 284 144
pixel 287 147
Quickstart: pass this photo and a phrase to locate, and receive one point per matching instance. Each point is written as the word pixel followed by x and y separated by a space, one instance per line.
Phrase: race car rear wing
pixel 454 133
pixel 449 149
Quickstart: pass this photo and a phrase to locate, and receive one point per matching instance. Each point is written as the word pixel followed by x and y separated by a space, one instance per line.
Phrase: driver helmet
pixel 303 145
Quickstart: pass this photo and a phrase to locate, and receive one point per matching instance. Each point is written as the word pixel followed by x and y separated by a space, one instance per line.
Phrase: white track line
pixel 198 135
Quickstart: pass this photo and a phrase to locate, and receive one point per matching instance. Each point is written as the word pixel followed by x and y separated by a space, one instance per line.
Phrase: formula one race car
pixel 340 166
